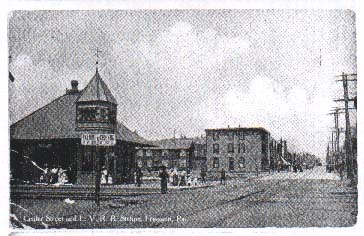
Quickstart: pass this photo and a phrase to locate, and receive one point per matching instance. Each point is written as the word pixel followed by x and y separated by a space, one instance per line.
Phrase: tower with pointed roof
pixel 96 108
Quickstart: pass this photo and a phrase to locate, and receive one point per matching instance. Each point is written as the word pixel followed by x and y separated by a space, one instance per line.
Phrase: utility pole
pixel 348 144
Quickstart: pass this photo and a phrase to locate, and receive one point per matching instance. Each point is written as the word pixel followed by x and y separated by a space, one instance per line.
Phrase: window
pixel 154 153
pixel 215 136
pixel 230 135
pixel 242 162
pixel 215 163
pixel 215 148
pixel 264 148
pixel 182 163
pixel 86 114
pixel 149 163
pixel 231 163
pixel 157 162
pixel 145 163
pixel 242 147
pixel 174 163
pixel 96 114
pixel 242 135
pixel 231 148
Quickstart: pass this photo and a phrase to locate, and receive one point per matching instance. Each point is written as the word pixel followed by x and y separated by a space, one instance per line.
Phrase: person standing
pixel 222 176
pixel 139 176
pixel 183 182
pixel 203 175
pixel 164 179
pixel 175 177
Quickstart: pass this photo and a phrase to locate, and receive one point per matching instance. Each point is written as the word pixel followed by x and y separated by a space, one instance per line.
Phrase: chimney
pixel 74 89
pixel 74 84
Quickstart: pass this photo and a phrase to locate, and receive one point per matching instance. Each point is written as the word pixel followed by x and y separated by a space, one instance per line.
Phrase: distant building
pixel 180 153
pixel 238 149
pixel 171 153
pixel 199 159
pixel 51 137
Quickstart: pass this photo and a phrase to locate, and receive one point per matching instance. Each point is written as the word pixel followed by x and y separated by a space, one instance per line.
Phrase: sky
pixel 189 70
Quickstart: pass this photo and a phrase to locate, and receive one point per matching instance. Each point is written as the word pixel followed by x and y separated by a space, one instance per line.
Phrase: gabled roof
pixel 96 90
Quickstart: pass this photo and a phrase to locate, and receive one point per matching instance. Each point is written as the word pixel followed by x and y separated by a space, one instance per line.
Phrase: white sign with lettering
pixel 98 139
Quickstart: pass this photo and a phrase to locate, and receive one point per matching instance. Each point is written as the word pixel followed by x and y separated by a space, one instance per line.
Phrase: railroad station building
pixel 51 136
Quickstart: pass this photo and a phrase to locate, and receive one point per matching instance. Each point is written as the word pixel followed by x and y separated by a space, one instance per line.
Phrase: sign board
pixel 98 139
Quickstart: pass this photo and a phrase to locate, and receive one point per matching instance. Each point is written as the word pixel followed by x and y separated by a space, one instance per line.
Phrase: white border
pixel 6 7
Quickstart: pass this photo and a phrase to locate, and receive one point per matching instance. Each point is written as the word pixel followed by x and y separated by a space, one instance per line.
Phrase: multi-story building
pixel 237 149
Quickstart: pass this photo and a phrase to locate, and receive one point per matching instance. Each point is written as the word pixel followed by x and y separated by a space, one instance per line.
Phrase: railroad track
pixel 76 192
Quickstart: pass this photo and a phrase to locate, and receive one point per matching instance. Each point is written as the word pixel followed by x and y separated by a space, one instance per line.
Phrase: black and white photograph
pixel 182 118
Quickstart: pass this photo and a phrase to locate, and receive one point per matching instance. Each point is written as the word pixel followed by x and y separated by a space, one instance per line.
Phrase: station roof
pixel 57 120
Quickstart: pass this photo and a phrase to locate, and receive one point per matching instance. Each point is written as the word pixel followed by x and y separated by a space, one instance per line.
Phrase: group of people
pixel 105 177
pixel 176 178
pixel 183 179
pixel 55 175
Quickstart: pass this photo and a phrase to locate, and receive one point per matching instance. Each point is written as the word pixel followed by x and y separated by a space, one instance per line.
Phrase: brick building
pixel 238 149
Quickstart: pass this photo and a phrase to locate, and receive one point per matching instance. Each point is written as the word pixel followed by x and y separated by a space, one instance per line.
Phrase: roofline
pixel 92 101
pixel 238 129
pixel 43 107
pixel 57 139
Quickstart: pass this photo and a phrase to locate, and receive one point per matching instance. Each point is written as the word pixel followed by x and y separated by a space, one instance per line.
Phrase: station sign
pixel 98 139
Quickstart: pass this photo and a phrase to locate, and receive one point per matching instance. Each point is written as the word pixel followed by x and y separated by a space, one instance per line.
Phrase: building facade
pixel 171 153
pixel 50 137
pixel 238 149
pixel 181 153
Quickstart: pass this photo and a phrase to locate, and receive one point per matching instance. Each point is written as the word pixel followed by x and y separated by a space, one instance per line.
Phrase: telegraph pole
pixel 348 143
